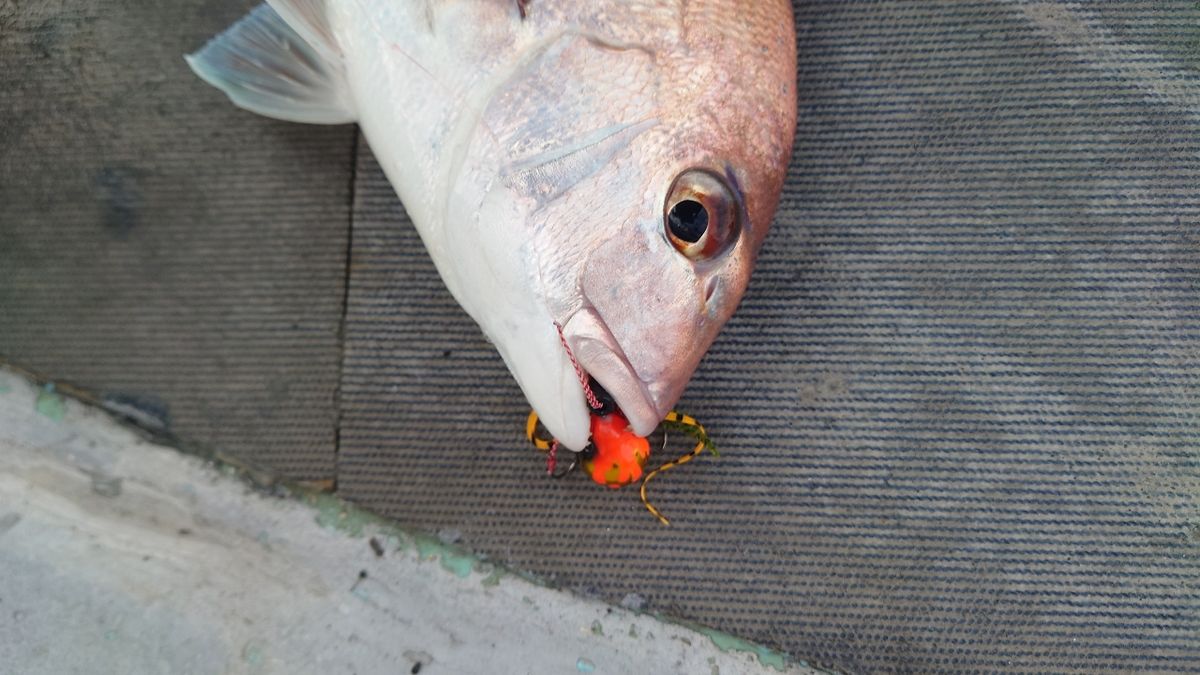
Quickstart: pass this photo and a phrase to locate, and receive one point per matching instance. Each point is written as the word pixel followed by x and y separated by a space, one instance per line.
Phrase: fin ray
pixel 267 66
pixel 308 19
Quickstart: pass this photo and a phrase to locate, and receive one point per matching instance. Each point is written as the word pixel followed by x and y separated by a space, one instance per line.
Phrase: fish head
pixel 593 180
pixel 640 178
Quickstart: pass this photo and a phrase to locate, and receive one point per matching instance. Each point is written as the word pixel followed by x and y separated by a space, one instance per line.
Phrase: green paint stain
pixel 597 627
pixel 728 643
pixel 460 565
pixel 395 542
pixel 50 404
pixel 332 513
pixel 252 654
pixel 585 665
pixel 427 547
pixel 494 575
pixel 335 514
pixel 453 559
pixel 4 388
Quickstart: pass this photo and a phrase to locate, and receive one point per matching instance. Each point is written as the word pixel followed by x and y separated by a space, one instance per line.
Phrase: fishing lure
pixel 617 455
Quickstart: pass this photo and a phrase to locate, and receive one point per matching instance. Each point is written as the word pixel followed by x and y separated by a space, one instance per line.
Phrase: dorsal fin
pixel 280 61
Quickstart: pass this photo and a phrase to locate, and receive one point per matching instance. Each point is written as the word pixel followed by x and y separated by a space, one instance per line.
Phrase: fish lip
pixel 601 356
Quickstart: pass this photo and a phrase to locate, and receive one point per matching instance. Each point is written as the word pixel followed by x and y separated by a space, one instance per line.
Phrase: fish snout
pixel 645 372
pixel 644 325
pixel 602 358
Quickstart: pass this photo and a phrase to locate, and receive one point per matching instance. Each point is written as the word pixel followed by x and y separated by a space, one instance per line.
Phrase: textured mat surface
pixel 959 408
pixel 158 245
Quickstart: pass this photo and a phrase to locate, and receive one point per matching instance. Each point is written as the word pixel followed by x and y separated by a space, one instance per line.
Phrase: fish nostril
pixel 710 289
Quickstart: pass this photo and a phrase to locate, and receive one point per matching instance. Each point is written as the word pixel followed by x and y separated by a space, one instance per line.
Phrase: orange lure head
pixel 620 454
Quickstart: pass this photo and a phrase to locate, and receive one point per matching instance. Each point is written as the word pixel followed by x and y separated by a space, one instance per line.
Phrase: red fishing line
pixel 552 458
pixel 583 378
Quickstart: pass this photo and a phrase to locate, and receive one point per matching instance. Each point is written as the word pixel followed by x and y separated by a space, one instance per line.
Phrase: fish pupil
pixel 688 220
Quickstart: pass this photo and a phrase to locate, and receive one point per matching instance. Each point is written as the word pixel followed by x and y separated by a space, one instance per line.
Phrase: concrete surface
pixel 120 556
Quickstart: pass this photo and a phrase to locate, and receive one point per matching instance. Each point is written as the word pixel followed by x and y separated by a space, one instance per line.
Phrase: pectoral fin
pixel 280 63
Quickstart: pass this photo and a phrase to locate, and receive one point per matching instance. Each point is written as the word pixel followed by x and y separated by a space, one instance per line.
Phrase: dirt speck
pixel 419 660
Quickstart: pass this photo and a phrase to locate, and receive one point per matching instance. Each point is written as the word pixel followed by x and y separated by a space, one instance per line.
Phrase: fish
pixel 593 179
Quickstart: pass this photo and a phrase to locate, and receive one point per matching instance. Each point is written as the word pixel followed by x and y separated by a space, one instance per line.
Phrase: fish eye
pixel 701 215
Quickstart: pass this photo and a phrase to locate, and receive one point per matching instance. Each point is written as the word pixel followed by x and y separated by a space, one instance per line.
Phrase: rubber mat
pixel 180 257
pixel 958 410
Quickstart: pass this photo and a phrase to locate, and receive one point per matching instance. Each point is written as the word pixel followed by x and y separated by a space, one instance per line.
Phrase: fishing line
pixel 583 378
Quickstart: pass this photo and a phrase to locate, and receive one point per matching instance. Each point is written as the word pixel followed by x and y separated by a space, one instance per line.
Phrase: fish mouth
pixel 601 357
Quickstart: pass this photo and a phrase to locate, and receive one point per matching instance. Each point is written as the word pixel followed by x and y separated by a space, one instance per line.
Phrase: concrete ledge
pixel 119 555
